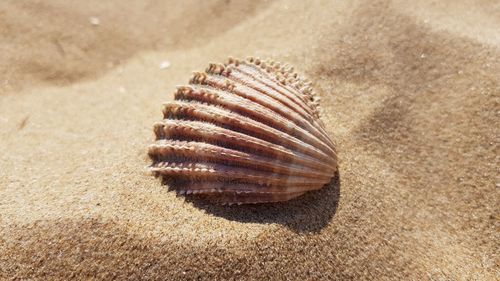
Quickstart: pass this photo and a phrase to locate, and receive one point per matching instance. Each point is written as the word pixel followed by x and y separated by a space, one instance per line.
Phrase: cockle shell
pixel 247 131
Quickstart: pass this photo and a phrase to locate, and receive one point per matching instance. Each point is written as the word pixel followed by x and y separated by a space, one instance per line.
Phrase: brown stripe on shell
pixel 255 96
pixel 248 108
pixel 244 132
pixel 238 193
pixel 217 115
pixel 218 172
pixel 239 188
pixel 172 149
pixel 284 77
pixel 262 84
pixel 206 132
pixel 283 80
pixel 303 94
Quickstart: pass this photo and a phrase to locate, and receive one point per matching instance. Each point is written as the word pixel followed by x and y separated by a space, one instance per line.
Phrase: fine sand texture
pixel 410 93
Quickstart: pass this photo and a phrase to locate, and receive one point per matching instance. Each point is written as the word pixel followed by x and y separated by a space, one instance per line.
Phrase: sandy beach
pixel 410 92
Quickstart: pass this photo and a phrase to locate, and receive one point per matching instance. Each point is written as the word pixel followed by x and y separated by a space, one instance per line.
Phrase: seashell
pixel 247 131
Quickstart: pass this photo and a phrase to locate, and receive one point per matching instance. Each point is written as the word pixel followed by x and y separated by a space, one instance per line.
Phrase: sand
pixel 410 93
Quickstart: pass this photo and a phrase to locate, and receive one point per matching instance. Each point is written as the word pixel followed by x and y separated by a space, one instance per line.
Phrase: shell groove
pixel 247 131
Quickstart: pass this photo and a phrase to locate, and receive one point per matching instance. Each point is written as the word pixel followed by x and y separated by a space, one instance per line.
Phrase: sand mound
pixel 57 42
pixel 410 92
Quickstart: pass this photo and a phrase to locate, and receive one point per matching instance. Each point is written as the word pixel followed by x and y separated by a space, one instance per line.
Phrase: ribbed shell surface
pixel 243 132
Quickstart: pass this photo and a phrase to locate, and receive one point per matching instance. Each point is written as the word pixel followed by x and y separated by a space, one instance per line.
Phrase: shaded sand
pixel 410 92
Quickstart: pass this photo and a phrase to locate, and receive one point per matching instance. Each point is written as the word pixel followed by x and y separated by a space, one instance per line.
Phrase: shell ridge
pixel 230 84
pixel 265 80
pixel 208 170
pixel 247 108
pixel 284 81
pixel 242 78
pixel 271 104
pixel 232 199
pixel 318 128
pixel 315 111
pixel 209 131
pixel 212 153
pixel 241 188
pixel 207 111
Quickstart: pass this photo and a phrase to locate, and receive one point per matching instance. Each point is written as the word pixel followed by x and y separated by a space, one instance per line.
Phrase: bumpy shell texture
pixel 247 131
